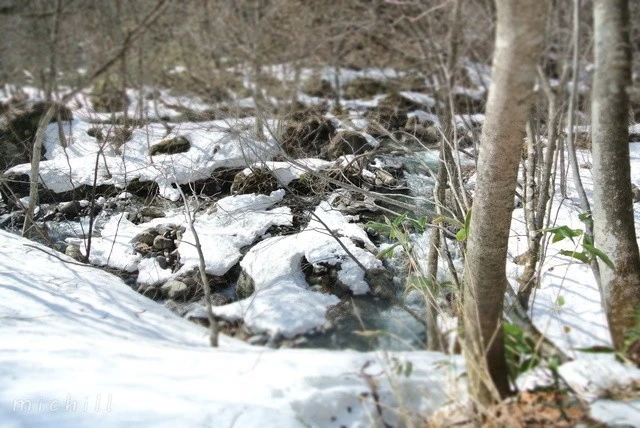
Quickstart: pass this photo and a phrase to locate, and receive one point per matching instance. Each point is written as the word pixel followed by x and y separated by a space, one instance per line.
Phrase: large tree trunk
pixel 614 230
pixel 519 38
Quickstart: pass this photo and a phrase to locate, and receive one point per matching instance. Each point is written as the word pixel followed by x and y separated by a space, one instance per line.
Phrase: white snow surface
pixel 79 348
pixel 238 221
pixel 213 145
pixel 282 302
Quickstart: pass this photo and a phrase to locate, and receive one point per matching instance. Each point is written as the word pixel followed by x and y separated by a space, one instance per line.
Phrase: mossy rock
pixel 16 138
pixel 260 180
pixel 363 88
pixel 245 286
pixel 428 135
pixel 346 143
pixel 307 138
pixel 316 86
pixel 106 98
pixel 171 146
pixel 468 104
pixel 392 110
pixel 299 112
pixel 24 124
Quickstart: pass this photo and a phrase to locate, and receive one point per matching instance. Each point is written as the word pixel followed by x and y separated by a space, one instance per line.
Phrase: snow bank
pixel 213 145
pixel 80 348
pixel 237 222
pixel 282 303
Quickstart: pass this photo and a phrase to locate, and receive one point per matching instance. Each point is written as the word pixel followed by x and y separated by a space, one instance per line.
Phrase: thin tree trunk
pixel 519 39
pixel 614 229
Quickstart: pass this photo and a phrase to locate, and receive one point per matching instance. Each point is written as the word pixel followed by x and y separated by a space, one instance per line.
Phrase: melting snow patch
pixel 281 302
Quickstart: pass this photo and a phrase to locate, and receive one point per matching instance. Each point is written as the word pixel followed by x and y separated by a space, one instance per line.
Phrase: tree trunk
pixel 519 38
pixel 614 230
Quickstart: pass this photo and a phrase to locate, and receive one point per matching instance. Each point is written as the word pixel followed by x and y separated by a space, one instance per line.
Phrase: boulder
pixel 147 236
pixel 245 286
pixel 173 289
pixel 152 212
pixel 161 242
pixel 171 146
pixel 346 143
pixel 16 135
pixel 363 87
pixel 106 98
pixel 318 87
pixel 306 138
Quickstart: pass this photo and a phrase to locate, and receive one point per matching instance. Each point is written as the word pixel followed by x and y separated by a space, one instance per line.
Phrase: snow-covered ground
pixel 78 347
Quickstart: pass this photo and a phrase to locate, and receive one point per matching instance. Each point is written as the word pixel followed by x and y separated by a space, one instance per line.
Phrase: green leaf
pixel 386 251
pixel 420 224
pixel 512 330
pixel 560 301
pixel 598 253
pixel 597 350
pixel 562 232
pixel 450 220
pixel 586 218
pixel 408 369
pixel 467 222
pixel 583 257
pixel 380 227
pixel 461 235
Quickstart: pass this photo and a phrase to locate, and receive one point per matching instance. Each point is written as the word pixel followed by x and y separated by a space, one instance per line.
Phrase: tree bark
pixel 614 230
pixel 519 39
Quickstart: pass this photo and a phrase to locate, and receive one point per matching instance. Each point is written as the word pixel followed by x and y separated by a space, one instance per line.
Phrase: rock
pixel 161 242
pixel 306 137
pixel 218 299
pixel 150 291
pixel 73 251
pixel 381 283
pixel 162 262
pixel 346 143
pixel 245 286
pixel 383 178
pixel 364 87
pixel 142 248
pixel 147 236
pixel 70 210
pixel 171 146
pixel 173 289
pixel 106 98
pixel 636 193
pixel 152 212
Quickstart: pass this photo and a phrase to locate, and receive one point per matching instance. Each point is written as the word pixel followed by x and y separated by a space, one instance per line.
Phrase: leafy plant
pixel 520 351
pixel 589 251
pixel 464 228
pixel 398 230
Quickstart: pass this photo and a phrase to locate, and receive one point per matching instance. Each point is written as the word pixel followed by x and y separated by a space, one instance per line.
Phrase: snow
pixel 282 303
pixel 80 348
pixel 74 334
pixel 237 222
pixel 213 145
pixel 285 172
